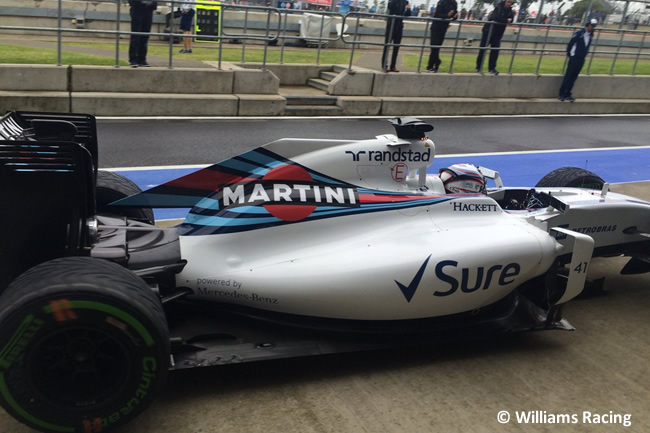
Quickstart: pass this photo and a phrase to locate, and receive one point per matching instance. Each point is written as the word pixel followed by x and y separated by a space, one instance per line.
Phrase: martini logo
pixel 288 193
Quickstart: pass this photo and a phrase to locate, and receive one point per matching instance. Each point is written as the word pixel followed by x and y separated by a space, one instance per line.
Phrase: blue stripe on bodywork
pixel 613 165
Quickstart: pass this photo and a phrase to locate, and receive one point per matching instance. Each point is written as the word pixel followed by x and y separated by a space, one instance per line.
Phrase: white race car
pixel 298 247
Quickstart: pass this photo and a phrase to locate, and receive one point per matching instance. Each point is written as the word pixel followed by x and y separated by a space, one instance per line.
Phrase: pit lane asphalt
pixel 602 367
pixel 129 142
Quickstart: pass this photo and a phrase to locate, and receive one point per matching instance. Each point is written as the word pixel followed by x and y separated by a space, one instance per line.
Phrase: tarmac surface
pixel 594 379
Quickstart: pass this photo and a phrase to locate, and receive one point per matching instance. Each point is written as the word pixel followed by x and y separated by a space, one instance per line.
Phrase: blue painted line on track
pixel 526 169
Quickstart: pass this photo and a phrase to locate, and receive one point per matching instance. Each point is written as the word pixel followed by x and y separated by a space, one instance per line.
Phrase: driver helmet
pixel 463 179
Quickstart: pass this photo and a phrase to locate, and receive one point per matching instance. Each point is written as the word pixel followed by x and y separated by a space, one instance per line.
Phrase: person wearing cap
pixel 577 51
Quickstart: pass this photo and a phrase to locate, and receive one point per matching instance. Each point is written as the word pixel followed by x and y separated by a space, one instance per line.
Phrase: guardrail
pixel 273 27
pixel 353 20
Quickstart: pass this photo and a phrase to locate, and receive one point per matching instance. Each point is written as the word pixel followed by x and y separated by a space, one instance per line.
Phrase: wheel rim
pixel 78 366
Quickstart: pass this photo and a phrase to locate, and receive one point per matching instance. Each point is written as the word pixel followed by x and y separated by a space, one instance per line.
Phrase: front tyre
pixel 573 177
pixel 84 346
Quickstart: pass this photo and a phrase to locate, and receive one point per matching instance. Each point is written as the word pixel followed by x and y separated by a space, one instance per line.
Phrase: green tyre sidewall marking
pixel 47 309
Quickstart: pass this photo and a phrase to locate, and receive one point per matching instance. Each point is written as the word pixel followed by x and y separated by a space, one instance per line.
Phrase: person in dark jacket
pixel 394 28
pixel 493 31
pixel 446 11
pixel 141 21
pixel 577 51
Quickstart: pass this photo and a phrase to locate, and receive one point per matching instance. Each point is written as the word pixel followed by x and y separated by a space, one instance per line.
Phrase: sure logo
pixel 471 279
pixel 479 278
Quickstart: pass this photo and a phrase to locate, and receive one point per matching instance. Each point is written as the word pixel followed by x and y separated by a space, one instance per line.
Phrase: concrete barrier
pixel 151 80
pixel 393 106
pixel 34 77
pixel 295 74
pixel 360 105
pixel 57 102
pixel 357 82
pixel 235 90
pixel 153 104
pixel 507 86
pixel 261 105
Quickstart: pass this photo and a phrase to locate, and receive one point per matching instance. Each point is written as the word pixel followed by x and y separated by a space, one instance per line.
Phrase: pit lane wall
pixel 249 90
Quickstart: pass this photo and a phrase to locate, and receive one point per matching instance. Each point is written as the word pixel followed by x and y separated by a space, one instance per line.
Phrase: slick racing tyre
pixel 84 346
pixel 111 187
pixel 571 177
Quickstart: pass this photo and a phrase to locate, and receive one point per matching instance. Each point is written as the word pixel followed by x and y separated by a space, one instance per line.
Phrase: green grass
pixel 48 56
pixel 523 64
pixel 201 52
pixel 526 64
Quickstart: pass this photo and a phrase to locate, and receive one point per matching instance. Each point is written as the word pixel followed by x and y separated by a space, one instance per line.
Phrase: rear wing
pixel 47 191
pixel 45 126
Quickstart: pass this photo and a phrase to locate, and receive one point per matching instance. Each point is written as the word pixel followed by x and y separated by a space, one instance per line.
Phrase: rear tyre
pixel 84 346
pixel 111 187
pixel 571 177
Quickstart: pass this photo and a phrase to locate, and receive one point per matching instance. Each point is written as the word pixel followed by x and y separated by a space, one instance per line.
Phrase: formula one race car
pixel 298 247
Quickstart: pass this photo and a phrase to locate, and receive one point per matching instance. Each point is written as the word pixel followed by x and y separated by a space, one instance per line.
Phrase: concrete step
pixel 328 75
pixel 311 100
pixel 318 83
pixel 312 110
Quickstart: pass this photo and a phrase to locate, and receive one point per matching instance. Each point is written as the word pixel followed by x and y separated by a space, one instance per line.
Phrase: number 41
pixel 581 268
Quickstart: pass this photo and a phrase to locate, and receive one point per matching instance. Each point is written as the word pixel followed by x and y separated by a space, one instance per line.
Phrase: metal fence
pixel 273 27
pixel 634 47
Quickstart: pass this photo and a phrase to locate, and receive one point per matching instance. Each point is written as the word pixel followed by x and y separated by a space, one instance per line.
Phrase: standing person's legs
pixel 437 38
pixel 187 41
pixel 388 37
pixel 433 56
pixel 134 44
pixel 572 71
pixel 481 52
pixel 146 22
pixel 494 54
pixel 396 40
pixel 187 21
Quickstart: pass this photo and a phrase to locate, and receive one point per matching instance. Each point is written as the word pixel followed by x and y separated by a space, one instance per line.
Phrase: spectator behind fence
pixel 446 11
pixel 493 31
pixel 187 19
pixel 141 20
pixel 394 28
pixel 577 50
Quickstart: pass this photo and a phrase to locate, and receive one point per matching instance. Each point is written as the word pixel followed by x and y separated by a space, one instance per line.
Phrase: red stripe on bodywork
pixel 207 179
pixel 383 198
